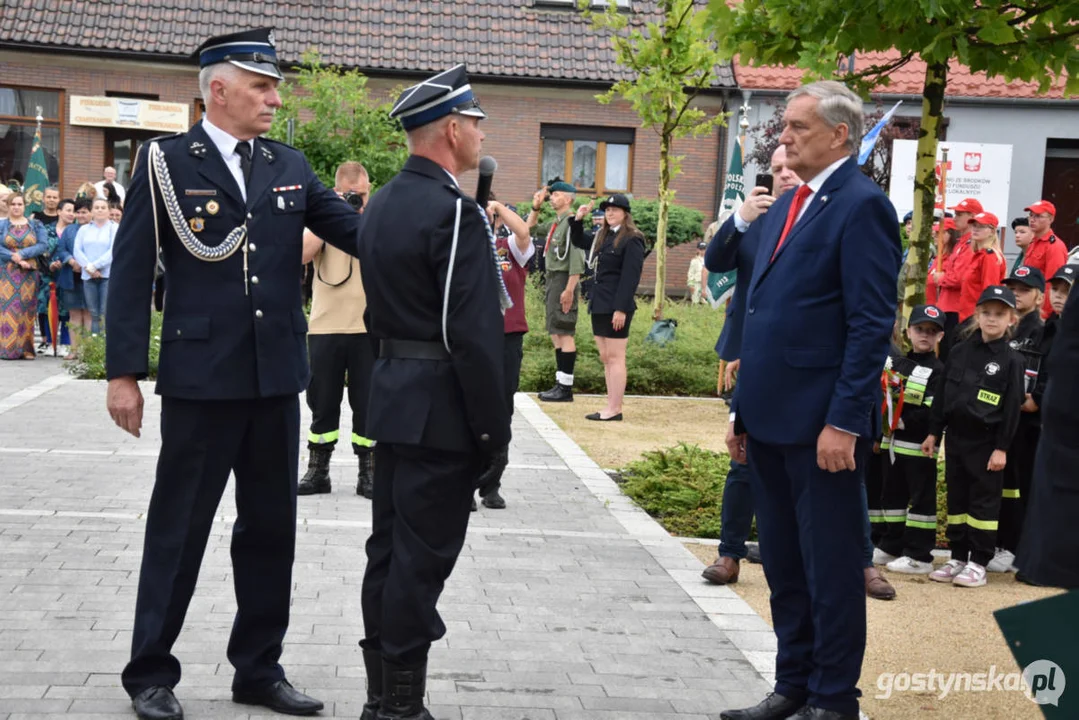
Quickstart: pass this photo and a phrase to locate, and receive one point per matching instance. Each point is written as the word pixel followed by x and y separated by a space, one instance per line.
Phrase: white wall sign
pixel 129 112
pixel 975 170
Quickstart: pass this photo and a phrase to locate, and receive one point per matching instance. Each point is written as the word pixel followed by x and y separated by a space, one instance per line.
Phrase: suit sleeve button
pixel 258 313
pixel 485 437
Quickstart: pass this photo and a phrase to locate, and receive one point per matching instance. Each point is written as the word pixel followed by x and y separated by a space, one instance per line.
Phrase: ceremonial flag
pixel 720 285
pixel 37 176
pixel 871 137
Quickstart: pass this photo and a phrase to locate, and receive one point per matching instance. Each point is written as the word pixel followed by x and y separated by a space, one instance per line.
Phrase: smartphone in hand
pixel 764 180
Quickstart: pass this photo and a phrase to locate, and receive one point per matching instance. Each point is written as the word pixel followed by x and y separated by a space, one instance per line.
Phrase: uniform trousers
pixel 420 511
pixel 333 358
pixel 512 354
pixel 909 482
pixel 201 442
pixel 974 494
pixel 874 490
pixel 1017 475
pixel 812 538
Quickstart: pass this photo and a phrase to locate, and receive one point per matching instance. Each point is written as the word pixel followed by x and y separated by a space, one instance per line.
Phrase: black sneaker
pixel 559 393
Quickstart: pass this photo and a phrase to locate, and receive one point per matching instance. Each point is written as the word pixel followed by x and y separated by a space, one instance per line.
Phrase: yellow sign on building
pixel 131 113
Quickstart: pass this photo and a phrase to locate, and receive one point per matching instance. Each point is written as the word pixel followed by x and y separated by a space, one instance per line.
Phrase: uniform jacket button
pixel 485 437
pixel 251 247
pixel 258 313
pixel 254 279
pixel 249 216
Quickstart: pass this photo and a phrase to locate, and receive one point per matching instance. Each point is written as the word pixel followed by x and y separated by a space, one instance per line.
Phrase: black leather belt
pixel 412 350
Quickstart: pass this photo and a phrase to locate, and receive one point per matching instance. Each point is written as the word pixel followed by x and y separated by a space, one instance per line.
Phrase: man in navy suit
pixel 818 321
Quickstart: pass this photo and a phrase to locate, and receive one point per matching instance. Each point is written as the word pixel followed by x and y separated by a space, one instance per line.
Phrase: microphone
pixel 487 175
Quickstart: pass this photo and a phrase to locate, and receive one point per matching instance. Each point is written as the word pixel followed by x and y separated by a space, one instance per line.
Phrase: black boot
pixel 317 477
pixel 372 663
pixel 403 689
pixel 365 482
pixel 494 501
pixel 559 393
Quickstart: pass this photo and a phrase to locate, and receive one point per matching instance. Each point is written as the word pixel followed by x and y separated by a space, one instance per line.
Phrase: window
pixel 595 160
pixel 18 113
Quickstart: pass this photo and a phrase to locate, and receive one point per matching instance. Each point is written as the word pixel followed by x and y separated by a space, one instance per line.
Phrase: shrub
pixel 89 362
pixel 686 366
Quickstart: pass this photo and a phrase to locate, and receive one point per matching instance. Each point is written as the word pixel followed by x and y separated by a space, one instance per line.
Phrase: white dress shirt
pixel 226 145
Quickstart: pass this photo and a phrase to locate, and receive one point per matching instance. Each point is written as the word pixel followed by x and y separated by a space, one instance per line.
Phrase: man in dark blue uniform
pixel 228 209
pixel 437 409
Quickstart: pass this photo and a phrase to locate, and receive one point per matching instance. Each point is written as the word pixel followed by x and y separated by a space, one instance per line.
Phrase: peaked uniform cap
pixel 437 96
pixel 252 50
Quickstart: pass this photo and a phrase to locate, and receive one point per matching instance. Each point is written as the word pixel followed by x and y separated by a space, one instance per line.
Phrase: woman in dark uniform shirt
pixel 616 256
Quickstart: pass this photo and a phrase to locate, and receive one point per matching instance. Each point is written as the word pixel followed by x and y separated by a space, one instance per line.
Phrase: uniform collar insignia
pixel 266 153
pixel 197 149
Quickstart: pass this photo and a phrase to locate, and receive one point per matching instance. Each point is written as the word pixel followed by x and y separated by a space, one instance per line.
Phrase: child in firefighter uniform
pixel 1032 339
pixel 979 405
pixel 909 496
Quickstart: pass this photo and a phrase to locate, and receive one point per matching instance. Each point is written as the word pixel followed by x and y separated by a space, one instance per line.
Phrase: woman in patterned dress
pixel 21 240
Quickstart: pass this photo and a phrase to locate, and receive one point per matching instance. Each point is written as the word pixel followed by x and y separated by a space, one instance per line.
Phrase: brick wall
pixel 513 130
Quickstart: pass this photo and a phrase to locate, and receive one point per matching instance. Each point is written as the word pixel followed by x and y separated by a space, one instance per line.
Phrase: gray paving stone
pixel 562 607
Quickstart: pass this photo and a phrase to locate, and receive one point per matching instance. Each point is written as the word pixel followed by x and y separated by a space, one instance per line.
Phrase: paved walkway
pixel 571 604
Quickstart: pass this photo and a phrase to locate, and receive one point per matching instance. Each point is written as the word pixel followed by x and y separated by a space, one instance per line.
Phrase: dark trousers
pixel 951 334
pixel 812 530
pixel 910 482
pixel 874 490
pixel 974 495
pixel 333 358
pixel 201 442
pixel 1017 475
pixel 512 354
pixel 736 514
pixel 420 513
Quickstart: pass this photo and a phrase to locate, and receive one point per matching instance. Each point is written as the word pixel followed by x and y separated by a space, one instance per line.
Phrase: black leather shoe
pixel 157 703
pixel 559 393
pixel 475 507
pixel 494 500
pixel 773 707
pixel 816 713
pixel 753 553
pixel 280 697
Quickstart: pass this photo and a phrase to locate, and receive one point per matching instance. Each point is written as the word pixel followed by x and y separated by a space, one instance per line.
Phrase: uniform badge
pixel 270 39
pixel 931 311
pixel 197 224
pixel 1022 271
pixel 212 207
pixel 280 203
pixel 992 369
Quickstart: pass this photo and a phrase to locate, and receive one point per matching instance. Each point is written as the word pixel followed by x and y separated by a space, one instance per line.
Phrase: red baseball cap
pixel 969 205
pixel 949 223
pixel 985 218
pixel 1042 206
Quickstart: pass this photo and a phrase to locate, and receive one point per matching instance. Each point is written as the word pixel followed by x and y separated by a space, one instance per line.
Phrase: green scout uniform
pixel 561 259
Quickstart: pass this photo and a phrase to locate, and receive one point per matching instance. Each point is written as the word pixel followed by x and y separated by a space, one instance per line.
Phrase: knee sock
pixel 569 359
pixel 558 362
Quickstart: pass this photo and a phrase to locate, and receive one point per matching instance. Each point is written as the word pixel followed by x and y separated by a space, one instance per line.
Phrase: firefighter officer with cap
pixel 228 209
pixel 437 410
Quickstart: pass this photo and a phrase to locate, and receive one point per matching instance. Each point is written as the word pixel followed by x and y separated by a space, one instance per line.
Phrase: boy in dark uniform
pixel 437 409
pixel 978 404
pixel 910 478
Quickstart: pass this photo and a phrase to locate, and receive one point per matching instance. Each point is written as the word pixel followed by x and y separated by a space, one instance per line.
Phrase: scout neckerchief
pixel 550 236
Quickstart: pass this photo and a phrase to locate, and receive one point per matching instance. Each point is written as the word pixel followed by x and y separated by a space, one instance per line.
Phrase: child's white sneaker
pixel 881 558
pixel 909 566
pixel 948 571
pixel 1001 562
pixel 973 575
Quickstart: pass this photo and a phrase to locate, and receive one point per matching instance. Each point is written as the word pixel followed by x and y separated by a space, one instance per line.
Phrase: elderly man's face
pixel 561 200
pixel 785 178
pixel 468 141
pixel 811 145
pixel 110 174
pixel 251 99
pixel 51 200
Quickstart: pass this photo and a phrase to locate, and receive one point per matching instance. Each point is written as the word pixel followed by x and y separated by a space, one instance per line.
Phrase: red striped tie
pixel 800 196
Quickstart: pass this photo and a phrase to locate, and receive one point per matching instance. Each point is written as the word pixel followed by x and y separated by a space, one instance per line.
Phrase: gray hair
pixel 223 71
pixel 836 104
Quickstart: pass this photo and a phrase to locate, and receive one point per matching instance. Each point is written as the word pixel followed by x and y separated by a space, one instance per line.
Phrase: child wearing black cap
pixel 978 403
pixel 1060 286
pixel 910 383
pixel 1030 341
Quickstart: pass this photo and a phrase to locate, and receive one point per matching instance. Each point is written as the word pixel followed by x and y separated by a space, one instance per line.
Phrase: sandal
pixel 29 356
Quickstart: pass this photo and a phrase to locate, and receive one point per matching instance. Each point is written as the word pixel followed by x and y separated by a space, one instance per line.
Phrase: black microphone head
pixel 488 165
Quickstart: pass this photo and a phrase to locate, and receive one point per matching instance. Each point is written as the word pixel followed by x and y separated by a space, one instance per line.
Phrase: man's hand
pixel 493 467
pixel 756 204
pixel 618 320
pixel 997 461
pixel 538 198
pixel 731 373
pixel 124 401
pixel 566 299
pixel 1029 406
pixel 736 444
pixel 585 210
pixel 835 450
pixel 929 446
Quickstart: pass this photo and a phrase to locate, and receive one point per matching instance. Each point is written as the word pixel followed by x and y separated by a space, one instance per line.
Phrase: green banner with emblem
pixel 37 177
pixel 720 285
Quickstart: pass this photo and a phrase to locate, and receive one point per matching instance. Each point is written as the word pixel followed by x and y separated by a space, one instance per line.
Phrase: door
pixel 1060 186
pixel 120 149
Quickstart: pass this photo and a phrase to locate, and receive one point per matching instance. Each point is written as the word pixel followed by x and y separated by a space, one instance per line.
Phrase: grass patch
pixel 686 366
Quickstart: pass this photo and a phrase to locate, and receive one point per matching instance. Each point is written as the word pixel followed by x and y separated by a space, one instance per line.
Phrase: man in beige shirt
pixel 339 347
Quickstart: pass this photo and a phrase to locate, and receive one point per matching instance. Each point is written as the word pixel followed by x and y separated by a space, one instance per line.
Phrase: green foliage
pixel 89 362
pixel 683 223
pixel 338 120
pixel 681 487
pixel 686 366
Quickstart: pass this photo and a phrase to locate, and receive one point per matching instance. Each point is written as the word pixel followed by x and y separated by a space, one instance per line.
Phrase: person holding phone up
pixel 616 255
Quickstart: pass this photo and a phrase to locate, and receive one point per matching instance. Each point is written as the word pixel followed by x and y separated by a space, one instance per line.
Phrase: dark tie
pixel 800 196
pixel 243 149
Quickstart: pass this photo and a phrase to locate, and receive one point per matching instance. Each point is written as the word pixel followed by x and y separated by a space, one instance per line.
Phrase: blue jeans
pixel 96 292
pixel 736 515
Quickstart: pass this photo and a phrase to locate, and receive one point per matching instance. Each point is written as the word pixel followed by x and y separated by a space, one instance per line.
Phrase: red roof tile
pixel 907 80
pixel 495 38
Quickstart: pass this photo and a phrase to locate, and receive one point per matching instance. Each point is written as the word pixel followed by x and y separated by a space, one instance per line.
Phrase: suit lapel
pixel 264 168
pixel 212 166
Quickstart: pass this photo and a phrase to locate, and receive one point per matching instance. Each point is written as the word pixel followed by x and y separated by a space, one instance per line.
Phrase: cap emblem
pixel 932 312
pixel 1022 271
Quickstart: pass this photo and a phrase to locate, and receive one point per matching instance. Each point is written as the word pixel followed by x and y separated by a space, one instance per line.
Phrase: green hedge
pixel 89 362
pixel 686 366
pixel 683 223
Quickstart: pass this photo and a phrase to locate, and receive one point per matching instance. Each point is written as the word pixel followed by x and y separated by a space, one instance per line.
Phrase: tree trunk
pixel 925 192
pixel 661 225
